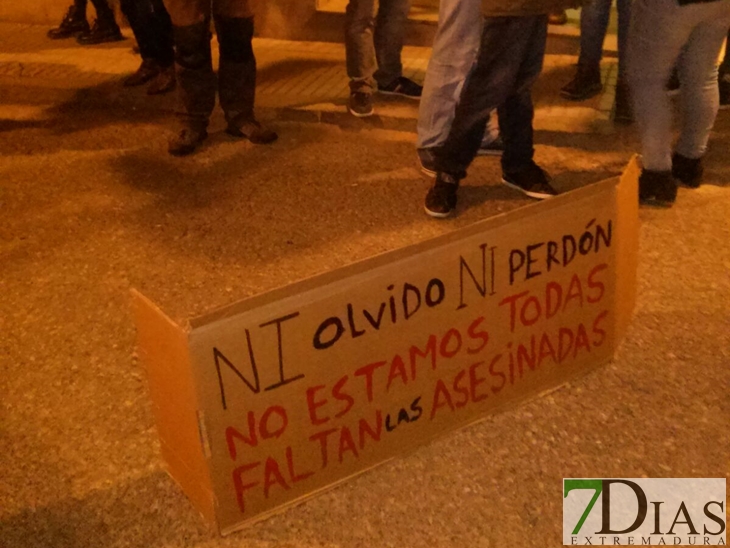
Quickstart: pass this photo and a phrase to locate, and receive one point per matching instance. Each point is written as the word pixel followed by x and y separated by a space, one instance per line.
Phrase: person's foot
pixel 427 161
pixel 252 130
pixel 724 90
pixel 623 113
pixel 73 23
pixel 163 82
pixel 405 87
pixel 558 18
pixel 585 84
pixel 146 72
pixel 532 181
pixel 361 104
pixel 688 171
pixel 100 33
pixel 657 188
pixel 187 141
pixel 493 147
pixel 441 197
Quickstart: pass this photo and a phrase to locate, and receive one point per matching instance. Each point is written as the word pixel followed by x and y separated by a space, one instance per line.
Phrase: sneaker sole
pixel 435 214
pixel 431 174
pixel 535 195
pixel 396 94
pixel 359 114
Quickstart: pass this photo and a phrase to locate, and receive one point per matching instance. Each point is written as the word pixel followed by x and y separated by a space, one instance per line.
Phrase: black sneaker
pixel 623 113
pixel 585 84
pixel 187 141
pixel 441 197
pixel 427 161
pixel 73 23
pixel 532 181
pixel 404 87
pixel 100 33
pixel 725 91
pixel 657 188
pixel 361 104
pixel 687 171
pixel 495 147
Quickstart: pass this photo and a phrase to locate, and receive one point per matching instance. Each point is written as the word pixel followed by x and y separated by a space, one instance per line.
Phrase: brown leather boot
pixel 164 82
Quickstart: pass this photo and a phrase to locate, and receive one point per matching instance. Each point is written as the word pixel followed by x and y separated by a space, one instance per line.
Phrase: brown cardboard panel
pixel 306 386
pixel 627 255
pixel 163 348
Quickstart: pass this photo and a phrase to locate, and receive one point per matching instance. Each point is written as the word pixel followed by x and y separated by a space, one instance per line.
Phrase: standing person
pixel 373 46
pixel 510 59
pixel 725 76
pixel 197 83
pixel 152 28
pixel 74 23
pixel 586 83
pixel 660 31
pixel 455 48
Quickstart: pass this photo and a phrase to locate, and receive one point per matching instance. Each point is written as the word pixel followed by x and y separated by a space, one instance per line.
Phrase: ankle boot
pixel 585 84
pixel 73 23
pixel 146 72
pixel 163 82
pixel 187 141
pixel 102 31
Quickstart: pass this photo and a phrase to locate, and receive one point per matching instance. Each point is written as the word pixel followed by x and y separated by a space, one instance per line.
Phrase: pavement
pixel 91 206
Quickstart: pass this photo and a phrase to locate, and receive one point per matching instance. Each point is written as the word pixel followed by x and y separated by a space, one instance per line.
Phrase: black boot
pixel 585 84
pixel 657 188
pixel 146 72
pixel 73 23
pixel 102 31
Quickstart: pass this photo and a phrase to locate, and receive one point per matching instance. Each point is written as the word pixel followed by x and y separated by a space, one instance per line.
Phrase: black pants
pixel 103 11
pixel 510 61
pixel 236 72
pixel 725 67
pixel 152 28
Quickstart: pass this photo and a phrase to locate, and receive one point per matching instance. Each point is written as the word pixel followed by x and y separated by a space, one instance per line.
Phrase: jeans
pixel 660 31
pixel 509 62
pixel 594 19
pixel 152 28
pixel 455 49
pixel 373 43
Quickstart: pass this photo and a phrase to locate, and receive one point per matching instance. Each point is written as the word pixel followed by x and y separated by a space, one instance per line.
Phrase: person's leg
pixel 506 58
pixel 623 113
pixel 161 25
pixel 698 78
pixel 517 111
pixel 137 13
pixel 359 48
pixel 586 83
pixel 194 67
pixel 73 23
pixel 234 24
pixel 724 80
pixel 104 29
pixel 455 49
pixel 390 27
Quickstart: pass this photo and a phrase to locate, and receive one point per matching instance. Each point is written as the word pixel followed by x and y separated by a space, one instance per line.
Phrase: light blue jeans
pixel 455 50
pixel 660 31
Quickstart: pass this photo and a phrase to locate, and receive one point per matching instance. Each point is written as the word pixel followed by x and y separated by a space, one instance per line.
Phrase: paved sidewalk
pixel 302 81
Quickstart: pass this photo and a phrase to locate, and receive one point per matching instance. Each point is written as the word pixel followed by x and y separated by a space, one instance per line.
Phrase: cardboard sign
pixel 273 399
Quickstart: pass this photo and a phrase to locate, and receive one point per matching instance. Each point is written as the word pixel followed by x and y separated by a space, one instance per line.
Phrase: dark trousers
pixel 152 28
pixel 725 66
pixel 103 11
pixel 510 60
pixel 237 67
